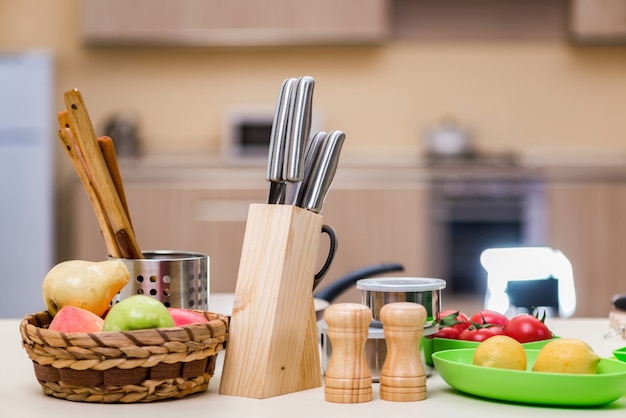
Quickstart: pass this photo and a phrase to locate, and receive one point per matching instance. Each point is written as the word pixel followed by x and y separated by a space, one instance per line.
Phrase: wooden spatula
pixel 87 149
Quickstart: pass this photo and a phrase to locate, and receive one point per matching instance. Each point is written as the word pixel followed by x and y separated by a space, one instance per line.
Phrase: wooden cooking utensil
pixel 69 144
pixel 97 173
pixel 110 159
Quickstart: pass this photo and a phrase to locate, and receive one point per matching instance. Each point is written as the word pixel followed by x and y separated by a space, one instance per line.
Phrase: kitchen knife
pixel 313 148
pixel 278 139
pixel 299 128
pixel 316 186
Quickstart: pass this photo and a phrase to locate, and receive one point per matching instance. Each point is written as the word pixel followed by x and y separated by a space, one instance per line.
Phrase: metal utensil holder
pixel 178 279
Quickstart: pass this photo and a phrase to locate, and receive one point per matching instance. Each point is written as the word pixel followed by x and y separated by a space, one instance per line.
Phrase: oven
pixel 470 215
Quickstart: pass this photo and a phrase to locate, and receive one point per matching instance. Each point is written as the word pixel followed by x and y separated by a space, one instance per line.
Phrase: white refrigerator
pixel 26 179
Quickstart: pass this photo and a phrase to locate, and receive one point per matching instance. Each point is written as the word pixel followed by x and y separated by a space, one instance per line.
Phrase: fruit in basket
pixel 138 312
pixel 185 317
pixel 73 319
pixel 500 352
pixel 567 355
pixel 84 284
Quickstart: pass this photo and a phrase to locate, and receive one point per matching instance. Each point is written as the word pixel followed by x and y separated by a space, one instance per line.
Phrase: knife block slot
pixel 273 344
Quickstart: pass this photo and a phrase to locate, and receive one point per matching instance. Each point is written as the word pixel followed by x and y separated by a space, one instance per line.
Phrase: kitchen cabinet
pixel 176 217
pixel 587 222
pixel 378 225
pixel 378 218
pixel 373 225
pixel 233 22
pixel 598 21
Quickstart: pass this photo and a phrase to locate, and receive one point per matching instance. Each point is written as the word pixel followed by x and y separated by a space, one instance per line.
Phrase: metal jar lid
pixel 400 284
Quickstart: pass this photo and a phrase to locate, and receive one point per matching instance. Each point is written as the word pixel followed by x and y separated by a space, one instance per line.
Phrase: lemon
pixel 567 355
pixel 500 352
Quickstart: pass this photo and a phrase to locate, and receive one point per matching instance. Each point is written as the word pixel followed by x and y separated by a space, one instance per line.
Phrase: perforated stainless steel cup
pixel 178 279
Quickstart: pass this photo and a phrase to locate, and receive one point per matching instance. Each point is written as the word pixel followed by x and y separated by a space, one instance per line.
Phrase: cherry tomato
pixel 487 317
pixel 480 334
pixel 447 332
pixel 453 319
pixel 526 328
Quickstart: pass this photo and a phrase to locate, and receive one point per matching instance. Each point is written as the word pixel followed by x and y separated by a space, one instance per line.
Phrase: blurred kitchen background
pixel 469 125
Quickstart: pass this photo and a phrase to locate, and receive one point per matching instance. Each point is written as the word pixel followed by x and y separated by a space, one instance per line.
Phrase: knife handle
pixel 323 172
pixel 299 129
pixel 280 128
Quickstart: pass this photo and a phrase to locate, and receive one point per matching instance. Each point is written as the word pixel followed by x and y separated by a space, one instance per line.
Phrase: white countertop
pixel 21 395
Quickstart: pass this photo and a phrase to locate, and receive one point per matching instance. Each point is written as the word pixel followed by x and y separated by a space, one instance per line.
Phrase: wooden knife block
pixel 272 346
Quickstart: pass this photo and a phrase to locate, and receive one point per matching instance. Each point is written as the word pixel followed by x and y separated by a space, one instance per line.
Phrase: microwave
pixel 246 133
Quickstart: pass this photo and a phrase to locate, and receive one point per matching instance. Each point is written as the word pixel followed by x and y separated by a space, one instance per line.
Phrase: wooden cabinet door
pixel 375 226
pixel 234 22
pixel 177 218
pixel 587 222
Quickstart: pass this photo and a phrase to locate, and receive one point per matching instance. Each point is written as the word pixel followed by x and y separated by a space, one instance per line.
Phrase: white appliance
pixel 26 179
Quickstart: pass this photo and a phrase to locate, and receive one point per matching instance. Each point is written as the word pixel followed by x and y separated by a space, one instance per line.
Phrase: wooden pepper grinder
pixel 402 377
pixel 348 378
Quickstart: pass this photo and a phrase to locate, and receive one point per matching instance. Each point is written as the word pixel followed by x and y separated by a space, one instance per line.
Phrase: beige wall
pixel 514 95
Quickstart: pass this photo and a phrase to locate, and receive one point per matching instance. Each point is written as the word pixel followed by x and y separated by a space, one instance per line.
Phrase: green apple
pixel 137 312
pixel 83 284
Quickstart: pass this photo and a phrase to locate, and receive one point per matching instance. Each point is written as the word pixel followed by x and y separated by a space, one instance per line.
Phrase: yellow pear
pixel 567 355
pixel 84 284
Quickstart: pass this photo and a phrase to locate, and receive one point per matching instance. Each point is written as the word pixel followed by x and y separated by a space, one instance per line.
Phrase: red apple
pixel 186 317
pixel 73 319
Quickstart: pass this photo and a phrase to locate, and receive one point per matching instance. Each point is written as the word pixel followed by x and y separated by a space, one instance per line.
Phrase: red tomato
pixel 447 332
pixel 480 334
pixel 453 319
pixel 487 317
pixel 526 328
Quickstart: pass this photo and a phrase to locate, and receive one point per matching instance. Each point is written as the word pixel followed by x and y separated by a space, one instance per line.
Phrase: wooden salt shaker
pixel 402 377
pixel 348 378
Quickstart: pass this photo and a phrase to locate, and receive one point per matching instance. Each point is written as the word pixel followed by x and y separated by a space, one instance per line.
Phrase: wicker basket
pixel 124 367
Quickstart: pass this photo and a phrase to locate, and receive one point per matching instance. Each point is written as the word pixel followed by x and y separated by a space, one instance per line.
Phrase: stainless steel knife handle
pixel 278 135
pixel 323 172
pixel 313 148
pixel 300 127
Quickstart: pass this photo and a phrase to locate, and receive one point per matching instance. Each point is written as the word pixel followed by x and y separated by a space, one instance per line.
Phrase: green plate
pixel 608 385
pixel 433 345
pixel 620 354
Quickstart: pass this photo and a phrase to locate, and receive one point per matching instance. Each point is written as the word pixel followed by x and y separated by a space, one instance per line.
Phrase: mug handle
pixel 327 229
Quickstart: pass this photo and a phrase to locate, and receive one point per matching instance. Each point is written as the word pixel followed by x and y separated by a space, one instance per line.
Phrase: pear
pixel 84 284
